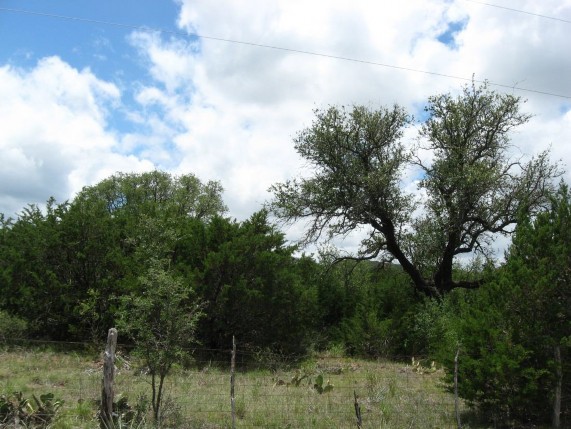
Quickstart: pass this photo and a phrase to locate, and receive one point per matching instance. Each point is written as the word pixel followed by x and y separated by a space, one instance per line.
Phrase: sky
pixel 219 89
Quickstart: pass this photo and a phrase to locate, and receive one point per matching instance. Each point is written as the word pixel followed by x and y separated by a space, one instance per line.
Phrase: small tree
pixel 161 320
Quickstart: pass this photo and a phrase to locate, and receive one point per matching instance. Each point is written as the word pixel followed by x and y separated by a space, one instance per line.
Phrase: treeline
pixel 66 269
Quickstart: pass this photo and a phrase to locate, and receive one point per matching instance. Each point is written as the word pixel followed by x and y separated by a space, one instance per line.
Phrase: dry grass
pixel 391 395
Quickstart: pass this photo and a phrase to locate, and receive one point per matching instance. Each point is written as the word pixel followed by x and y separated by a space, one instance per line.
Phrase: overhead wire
pixel 519 11
pixel 513 87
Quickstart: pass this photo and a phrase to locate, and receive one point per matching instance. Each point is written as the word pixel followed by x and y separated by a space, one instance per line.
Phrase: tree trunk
pixel 456 399
pixel 107 393
pixel 393 247
pixel 232 379
pixel 154 397
pixel 558 388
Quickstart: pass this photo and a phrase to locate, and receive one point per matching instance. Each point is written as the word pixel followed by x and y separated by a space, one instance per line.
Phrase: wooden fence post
pixel 107 392
pixel 558 388
pixel 456 405
pixel 232 377
pixel 358 411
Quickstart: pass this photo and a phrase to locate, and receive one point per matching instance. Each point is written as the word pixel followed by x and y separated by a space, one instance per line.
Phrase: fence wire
pixel 318 392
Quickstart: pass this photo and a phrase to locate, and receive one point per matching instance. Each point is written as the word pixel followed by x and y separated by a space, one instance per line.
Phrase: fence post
pixel 558 388
pixel 107 392
pixel 456 407
pixel 232 377
pixel 358 411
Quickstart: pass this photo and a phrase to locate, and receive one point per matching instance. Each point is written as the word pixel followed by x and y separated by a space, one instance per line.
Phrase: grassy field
pixel 390 395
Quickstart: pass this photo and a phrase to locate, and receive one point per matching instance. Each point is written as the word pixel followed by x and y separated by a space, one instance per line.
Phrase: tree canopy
pixel 74 269
pixel 471 186
pixel 62 270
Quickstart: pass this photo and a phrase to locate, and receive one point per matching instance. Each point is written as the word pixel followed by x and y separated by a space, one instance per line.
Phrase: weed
pixel 171 415
pixel 240 407
pixel 376 390
pixel 84 410
pixel 31 413
pixel 320 387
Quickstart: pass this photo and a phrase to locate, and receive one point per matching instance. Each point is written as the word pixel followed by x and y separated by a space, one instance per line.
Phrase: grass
pixel 390 395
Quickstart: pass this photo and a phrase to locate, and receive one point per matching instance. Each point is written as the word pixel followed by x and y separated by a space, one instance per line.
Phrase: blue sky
pixel 105 49
pixel 82 100
pixel 448 36
pixel 80 42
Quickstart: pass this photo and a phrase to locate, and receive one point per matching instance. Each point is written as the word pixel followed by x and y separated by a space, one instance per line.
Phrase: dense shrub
pixel 378 324
pixel 509 329
pixel 11 327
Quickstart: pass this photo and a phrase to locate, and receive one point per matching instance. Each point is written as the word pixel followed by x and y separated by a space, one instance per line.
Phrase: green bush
pixel 435 326
pixel 379 313
pixel 505 369
pixel 365 334
pixel 509 329
pixel 11 327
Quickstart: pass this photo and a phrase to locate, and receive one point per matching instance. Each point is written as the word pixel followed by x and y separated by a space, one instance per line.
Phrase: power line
pixel 520 11
pixel 278 48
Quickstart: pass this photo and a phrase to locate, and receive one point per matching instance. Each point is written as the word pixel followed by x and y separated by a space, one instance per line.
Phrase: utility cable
pixel 520 11
pixel 279 48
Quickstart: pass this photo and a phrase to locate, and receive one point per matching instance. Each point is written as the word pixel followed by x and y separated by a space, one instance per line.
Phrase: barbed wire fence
pixel 269 390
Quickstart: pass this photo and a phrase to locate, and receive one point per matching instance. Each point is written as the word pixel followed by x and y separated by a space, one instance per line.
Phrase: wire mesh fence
pixel 270 391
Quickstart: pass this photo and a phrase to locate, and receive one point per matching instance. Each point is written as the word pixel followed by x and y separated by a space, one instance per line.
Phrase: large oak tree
pixel 472 187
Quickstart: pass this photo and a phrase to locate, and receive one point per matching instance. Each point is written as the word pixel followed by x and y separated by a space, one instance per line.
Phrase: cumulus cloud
pixel 54 138
pixel 169 63
pixel 237 106
pixel 240 105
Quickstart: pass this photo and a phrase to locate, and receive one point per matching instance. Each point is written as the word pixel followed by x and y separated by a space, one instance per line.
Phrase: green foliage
pixel 473 188
pixel 32 268
pixel 508 330
pixel 161 320
pixel 124 222
pixel 365 334
pixel 11 327
pixel 506 376
pixel 378 308
pixel 63 269
pixel 435 327
pixel 321 386
pixel 251 285
pixel 30 412
pixel 66 270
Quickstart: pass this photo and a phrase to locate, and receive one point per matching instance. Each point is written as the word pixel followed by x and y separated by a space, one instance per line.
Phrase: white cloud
pixel 248 102
pixel 169 63
pixel 238 106
pixel 53 136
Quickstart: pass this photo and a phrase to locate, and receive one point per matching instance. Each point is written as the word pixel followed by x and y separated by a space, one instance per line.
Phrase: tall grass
pixel 391 395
